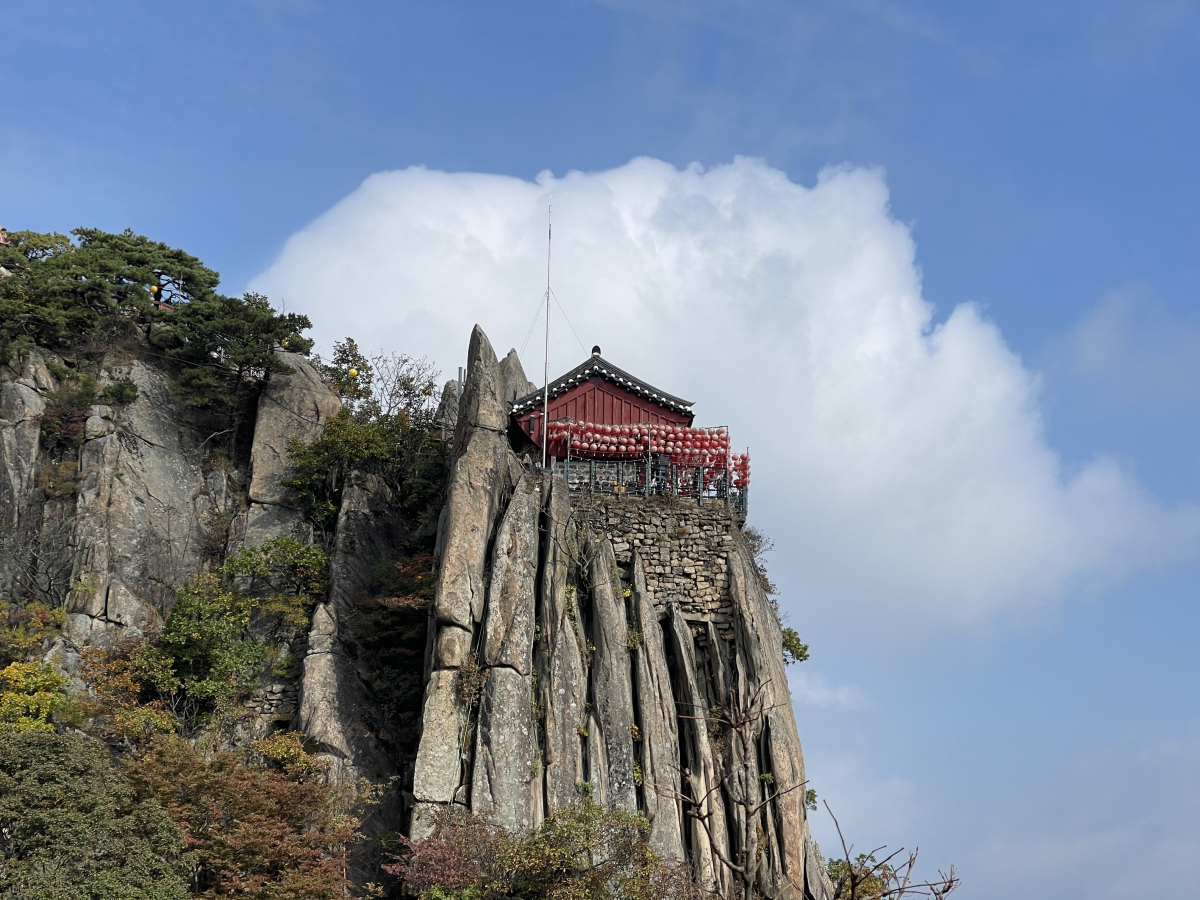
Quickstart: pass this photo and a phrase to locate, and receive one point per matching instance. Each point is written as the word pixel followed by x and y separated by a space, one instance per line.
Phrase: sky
pixel 935 264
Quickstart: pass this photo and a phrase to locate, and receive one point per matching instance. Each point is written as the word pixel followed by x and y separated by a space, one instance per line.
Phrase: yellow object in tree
pixel 354 373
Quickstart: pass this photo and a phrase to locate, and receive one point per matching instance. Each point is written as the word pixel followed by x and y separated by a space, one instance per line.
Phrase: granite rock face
pixel 483 473
pixel 294 405
pixel 576 644
pixel 109 527
pixel 139 515
pixel 611 638
pixel 21 406
pixel 333 706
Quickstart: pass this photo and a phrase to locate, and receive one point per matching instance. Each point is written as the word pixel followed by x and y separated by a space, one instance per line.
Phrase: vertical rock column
pixel 296 405
pixel 611 691
pixel 506 787
pixel 696 752
pixel 331 694
pixel 483 469
pixel 563 676
pixel 761 661
pixel 21 407
pixel 659 737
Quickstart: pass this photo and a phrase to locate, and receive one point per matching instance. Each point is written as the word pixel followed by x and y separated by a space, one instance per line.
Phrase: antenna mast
pixel 546 369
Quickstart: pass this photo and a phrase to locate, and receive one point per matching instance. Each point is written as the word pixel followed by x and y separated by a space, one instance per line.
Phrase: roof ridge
pixel 601 366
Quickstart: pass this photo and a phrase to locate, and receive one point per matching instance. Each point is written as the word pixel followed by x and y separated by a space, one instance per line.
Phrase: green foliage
pixel 760 545
pixel 319 469
pixel 125 290
pixel 794 650
pixel 203 650
pixel 66 412
pixel 294 576
pixel 33 697
pixel 224 346
pixel 71 827
pixel 863 879
pixel 206 656
pixel 60 293
pixel 23 628
pixel 384 429
pixel 810 800
pixel 121 392
pixel 349 372
pixel 469 680
pixel 286 750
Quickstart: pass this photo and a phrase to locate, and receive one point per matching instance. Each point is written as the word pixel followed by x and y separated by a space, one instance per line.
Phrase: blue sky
pixel 1041 157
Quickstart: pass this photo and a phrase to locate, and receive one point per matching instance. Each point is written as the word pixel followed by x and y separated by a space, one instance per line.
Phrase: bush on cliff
pixel 385 428
pixel 207 657
pixel 72 826
pixel 583 852
pixel 271 832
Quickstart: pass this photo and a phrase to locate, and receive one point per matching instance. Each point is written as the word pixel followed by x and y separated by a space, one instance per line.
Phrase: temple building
pixel 609 431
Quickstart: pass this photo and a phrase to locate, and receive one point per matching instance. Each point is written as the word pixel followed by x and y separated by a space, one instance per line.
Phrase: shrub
pixel 794 650
pixel 25 627
pixel 384 429
pixel 249 831
pixel 60 481
pixel 107 290
pixel 121 392
pixel 583 851
pixel 33 697
pixel 71 827
pixel 293 575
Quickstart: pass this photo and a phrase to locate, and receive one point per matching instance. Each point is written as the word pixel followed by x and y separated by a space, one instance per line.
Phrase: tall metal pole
pixel 546 368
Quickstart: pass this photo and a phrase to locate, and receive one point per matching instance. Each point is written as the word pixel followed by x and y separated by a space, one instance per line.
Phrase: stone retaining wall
pixel 683 545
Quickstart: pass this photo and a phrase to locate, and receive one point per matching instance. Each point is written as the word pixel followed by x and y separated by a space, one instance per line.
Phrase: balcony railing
pixel 707 485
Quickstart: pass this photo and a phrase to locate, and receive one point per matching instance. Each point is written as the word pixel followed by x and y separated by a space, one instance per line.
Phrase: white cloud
pixel 812 689
pixel 900 463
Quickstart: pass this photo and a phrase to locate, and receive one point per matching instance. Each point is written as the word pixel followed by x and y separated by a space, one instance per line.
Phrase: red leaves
pixel 249 830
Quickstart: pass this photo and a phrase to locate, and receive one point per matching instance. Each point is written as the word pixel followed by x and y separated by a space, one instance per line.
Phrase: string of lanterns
pixel 705 447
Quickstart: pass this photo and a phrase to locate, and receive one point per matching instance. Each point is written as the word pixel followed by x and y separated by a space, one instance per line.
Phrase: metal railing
pixel 650 478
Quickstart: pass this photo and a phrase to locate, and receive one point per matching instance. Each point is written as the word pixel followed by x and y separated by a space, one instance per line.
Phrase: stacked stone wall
pixel 684 549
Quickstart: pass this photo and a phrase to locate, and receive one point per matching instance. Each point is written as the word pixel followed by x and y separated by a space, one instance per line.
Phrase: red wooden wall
pixel 600 401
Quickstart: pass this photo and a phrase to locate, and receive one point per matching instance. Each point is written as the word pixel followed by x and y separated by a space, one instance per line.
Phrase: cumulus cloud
pixel 900 462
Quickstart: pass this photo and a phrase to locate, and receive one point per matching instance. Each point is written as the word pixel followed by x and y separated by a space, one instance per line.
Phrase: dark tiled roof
pixel 598 365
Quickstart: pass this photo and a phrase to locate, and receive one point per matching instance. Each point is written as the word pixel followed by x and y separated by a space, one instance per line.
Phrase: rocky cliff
pixel 621 647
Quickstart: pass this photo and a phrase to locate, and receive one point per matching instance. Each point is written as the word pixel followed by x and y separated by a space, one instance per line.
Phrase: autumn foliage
pixel 275 834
